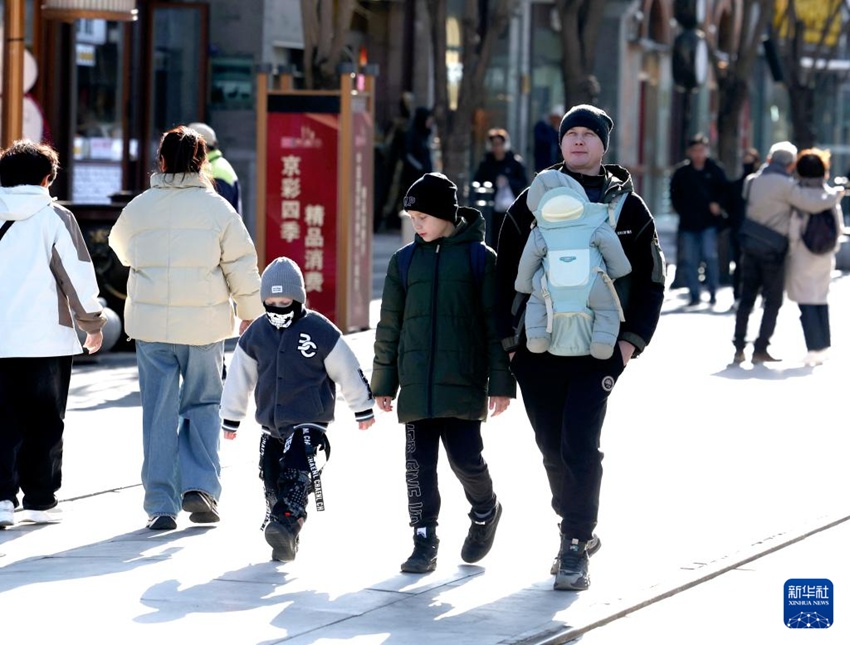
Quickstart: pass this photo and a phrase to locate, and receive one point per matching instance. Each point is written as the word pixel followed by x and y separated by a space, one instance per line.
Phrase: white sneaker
pixel 816 357
pixel 7 513
pixel 50 516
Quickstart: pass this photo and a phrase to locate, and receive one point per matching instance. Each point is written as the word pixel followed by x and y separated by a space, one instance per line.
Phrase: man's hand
pixel 715 209
pixel 365 425
pixel 229 435
pixel 243 325
pixel 627 350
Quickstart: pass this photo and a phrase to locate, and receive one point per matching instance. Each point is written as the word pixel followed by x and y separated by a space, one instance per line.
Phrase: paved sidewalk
pixel 707 466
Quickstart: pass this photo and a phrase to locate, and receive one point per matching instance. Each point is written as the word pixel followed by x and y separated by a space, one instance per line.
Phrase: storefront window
pixel 98 140
pixel 178 64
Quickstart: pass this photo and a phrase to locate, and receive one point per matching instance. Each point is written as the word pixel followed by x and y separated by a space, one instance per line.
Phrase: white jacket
pixel 47 280
pixel 189 253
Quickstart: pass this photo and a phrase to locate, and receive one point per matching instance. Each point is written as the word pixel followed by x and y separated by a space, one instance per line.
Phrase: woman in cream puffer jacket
pixel 190 260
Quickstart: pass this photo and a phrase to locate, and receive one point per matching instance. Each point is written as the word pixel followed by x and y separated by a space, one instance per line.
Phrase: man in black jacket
pixel 566 396
pixel 698 191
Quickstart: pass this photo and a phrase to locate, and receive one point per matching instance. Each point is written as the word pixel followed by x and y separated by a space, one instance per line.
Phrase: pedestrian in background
pixel 808 274
pixel 416 161
pixel 219 169
pixel 392 162
pixel 190 260
pixel 750 162
pixel 566 397
pixel 506 173
pixel 47 285
pixel 547 148
pixel 291 359
pixel 437 341
pixel 770 195
pixel 698 190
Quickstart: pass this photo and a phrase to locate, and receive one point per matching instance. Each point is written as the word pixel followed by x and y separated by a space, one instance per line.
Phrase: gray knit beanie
pixel 282 279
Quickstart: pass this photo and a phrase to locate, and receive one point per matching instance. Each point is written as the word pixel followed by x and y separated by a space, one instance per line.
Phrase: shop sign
pixel 302 196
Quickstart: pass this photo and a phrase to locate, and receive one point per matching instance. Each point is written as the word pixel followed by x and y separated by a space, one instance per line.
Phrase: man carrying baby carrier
pixel 566 396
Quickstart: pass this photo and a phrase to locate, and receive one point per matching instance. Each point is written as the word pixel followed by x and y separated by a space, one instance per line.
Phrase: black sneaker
pixel 573 566
pixel 203 508
pixel 282 536
pixel 479 540
pixel 593 545
pixel 162 523
pixel 424 556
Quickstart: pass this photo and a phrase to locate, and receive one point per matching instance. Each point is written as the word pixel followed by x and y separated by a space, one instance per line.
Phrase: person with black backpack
pixel 813 242
pixel 771 195
pixel 437 348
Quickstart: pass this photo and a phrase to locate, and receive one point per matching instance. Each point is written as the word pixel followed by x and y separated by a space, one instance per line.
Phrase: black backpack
pixel 821 232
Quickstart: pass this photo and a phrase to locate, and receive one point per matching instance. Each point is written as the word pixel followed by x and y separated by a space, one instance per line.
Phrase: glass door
pixel 177 82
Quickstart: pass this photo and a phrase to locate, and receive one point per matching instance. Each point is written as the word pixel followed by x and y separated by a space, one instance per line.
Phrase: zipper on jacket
pixel 429 385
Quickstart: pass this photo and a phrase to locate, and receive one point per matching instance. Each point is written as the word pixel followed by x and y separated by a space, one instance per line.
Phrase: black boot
pixel 424 556
pixel 282 536
pixel 479 540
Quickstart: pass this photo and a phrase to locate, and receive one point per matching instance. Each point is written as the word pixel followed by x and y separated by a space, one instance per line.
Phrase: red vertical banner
pixel 301 192
pixel 360 240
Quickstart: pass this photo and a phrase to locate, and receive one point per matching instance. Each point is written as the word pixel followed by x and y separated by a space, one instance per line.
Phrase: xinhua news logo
pixel 808 603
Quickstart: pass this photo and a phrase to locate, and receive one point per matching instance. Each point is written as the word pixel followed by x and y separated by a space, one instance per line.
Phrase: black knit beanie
pixel 590 117
pixel 433 194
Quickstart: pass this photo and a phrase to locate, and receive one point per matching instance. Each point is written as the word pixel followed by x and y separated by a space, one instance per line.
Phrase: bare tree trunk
pixel 733 77
pixel 802 82
pixel 325 27
pixel 478 37
pixel 580 24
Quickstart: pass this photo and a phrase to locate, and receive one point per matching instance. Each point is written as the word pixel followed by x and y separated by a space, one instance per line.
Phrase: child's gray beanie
pixel 282 279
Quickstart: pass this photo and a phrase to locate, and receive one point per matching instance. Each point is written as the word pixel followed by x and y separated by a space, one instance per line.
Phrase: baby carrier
pixel 569 264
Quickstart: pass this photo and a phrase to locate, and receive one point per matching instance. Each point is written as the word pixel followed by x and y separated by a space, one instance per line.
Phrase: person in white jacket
pixel 47 285
pixel 191 259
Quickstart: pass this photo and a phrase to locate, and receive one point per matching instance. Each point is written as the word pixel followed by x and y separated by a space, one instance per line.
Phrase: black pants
pixel 566 399
pixel 33 395
pixel 765 276
pixel 815 321
pixel 286 476
pixel 462 440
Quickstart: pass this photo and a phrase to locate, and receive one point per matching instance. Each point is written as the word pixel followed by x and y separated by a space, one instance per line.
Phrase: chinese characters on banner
pixel 301 199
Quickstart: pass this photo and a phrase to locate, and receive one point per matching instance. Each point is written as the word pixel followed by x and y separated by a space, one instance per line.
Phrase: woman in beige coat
pixel 807 275
pixel 191 259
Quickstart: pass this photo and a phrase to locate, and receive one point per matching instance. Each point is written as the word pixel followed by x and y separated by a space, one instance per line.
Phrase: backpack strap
pixel 478 260
pixel 6 227
pixel 405 257
pixel 615 207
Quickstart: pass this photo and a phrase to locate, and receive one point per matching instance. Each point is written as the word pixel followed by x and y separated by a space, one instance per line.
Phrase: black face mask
pixel 283 317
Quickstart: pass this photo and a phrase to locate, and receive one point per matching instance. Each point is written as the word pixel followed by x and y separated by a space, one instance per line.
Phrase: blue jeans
pixel 181 429
pixel 700 246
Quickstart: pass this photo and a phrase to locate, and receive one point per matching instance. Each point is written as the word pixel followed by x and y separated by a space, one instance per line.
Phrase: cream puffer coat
pixel 807 274
pixel 189 254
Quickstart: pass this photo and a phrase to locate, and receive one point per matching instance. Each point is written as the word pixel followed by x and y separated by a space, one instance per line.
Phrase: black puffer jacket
pixel 438 341
pixel 641 292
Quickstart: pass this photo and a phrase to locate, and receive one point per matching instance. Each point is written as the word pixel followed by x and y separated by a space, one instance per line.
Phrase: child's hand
pixel 498 404
pixel 229 435
pixel 385 403
pixel 365 425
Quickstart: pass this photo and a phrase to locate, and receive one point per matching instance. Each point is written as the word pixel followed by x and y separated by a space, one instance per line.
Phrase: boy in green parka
pixel 437 342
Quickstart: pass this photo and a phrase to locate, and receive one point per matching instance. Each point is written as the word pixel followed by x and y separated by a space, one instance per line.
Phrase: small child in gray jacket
pixel 292 359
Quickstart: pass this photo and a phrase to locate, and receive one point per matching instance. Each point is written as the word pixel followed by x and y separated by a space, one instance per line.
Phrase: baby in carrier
pixel 569 263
